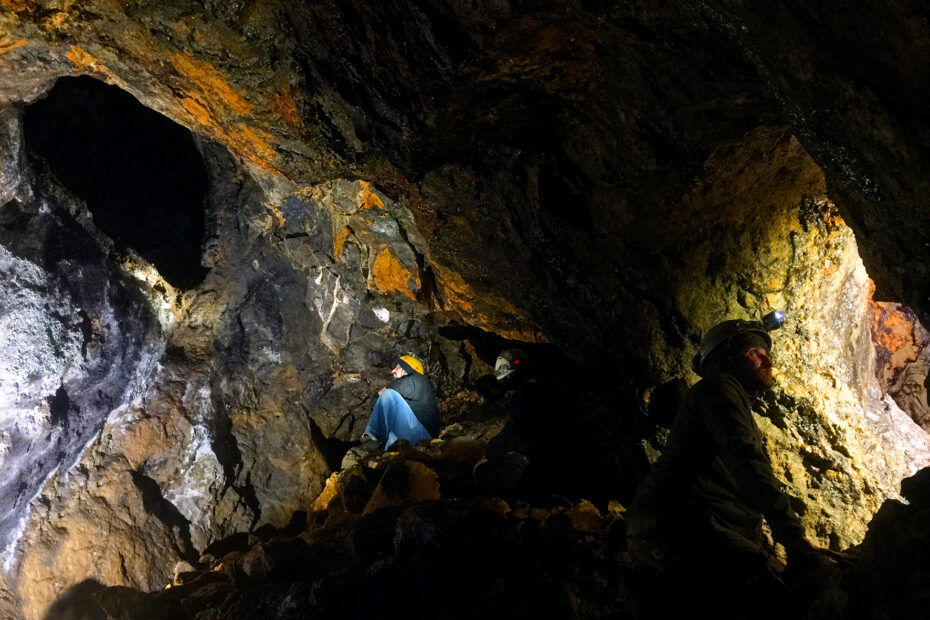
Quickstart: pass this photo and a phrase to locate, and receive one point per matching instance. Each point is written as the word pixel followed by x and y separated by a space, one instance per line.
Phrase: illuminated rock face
pixel 78 339
pixel 764 235
pixel 903 358
pixel 263 373
pixel 614 182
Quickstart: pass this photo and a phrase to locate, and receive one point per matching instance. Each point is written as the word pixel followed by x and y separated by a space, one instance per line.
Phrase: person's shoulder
pixel 718 380
pixel 416 379
pixel 721 384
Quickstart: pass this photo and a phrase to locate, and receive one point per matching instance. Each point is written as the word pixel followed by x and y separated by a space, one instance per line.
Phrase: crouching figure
pixel 406 409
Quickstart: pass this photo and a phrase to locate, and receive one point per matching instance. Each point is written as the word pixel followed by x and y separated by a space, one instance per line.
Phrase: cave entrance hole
pixel 141 175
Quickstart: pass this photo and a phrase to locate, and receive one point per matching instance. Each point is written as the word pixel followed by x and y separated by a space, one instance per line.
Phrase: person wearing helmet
pixel 706 495
pixel 406 409
pixel 510 453
pixel 510 363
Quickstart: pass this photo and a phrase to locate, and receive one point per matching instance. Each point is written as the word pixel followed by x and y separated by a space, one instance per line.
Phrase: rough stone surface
pixel 775 241
pixel 894 553
pixel 903 358
pixel 270 361
pixel 439 177
pixel 384 523
pixel 79 340
pixel 268 369
pixel 857 109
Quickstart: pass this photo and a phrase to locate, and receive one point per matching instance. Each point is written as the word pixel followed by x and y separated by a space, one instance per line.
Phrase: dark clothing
pixel 507 460
pixel 713 477
pixel 418 392
pixel 515 451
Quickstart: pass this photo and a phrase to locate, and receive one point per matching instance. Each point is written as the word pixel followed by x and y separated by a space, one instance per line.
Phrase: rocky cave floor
pixel 406 534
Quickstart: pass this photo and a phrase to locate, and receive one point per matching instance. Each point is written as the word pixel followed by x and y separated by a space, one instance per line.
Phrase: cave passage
pixel 139 172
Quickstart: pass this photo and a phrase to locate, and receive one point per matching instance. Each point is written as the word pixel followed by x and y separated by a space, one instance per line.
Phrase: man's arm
pixel 404 386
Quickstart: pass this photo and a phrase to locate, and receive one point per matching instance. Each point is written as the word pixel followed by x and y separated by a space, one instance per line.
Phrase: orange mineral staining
pixel 286 106
pixel 212 83
pixel 491 311
pixel 85 62
pixel 339 241
pixel 8 44
pixel 197 110
pixel 256 145
pixel 367 199
pixel 891 328
pixel 391 275
pixel 54 21
pixel 17 6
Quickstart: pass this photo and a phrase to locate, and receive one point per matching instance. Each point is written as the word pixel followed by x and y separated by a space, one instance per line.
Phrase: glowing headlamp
pixel 773 320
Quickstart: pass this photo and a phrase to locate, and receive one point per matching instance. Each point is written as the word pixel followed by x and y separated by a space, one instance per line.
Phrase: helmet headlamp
pixel 773 320
pixel 724 332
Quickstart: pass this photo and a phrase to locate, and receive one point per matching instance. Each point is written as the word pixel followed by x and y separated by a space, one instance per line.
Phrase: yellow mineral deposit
pixel 212 83
pixel 367 198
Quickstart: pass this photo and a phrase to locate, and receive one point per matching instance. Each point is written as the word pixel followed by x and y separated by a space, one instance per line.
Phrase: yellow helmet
pixel 410 363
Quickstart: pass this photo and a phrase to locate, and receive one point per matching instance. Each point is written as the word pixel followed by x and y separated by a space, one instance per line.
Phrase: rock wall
pixel 610 179
pixel 854 90
pixel 78 338
pixel 764 235
pixel 268 369
pixel 903 358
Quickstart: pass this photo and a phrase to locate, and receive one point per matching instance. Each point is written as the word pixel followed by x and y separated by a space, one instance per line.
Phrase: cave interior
pixel 220 223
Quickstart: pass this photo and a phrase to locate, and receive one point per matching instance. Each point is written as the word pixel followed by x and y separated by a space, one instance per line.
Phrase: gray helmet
pixel 723 333
pixel 508 362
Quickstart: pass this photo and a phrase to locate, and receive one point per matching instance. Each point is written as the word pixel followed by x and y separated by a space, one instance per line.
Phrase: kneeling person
pixel 406 408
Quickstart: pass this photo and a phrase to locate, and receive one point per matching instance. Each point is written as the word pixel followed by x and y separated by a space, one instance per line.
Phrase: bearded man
pixel 700 510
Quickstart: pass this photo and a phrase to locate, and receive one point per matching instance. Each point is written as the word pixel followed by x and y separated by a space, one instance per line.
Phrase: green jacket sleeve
pixel 726 412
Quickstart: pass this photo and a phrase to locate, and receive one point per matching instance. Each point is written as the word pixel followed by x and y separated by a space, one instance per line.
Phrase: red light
pixel 516 361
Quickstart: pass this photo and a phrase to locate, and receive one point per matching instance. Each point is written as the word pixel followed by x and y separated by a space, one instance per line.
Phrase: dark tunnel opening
pixel 140 173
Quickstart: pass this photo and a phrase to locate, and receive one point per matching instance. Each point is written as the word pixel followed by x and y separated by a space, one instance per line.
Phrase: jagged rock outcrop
pixel 79 338
pixel 854 90
pixel 776 241
pixel 268 368
pixel 382 528
pixel 894 553
pixel 903 358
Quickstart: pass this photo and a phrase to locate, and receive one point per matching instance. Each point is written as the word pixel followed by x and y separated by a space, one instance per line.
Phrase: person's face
pixel 398 372
pixel 757 362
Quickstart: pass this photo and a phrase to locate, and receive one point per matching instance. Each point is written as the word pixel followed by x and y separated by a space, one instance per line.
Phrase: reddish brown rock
pixel 902 358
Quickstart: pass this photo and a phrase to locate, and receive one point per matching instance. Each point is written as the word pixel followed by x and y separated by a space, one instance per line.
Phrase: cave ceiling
pixel 488 118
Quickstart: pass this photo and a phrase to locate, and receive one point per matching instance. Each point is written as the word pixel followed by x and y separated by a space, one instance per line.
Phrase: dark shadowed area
pixel 139 172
